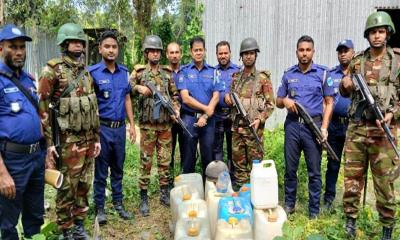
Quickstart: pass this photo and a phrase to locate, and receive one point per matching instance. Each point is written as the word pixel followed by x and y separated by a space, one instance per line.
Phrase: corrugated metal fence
pixel 278 24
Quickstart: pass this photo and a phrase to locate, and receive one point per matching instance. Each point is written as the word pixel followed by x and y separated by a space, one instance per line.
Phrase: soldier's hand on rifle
pixel 201 122
pixel 255 124
pixel 7 185
pixel 347 84
pixel 132 134
pixel 228 99
pixel 324 133
pixel 97 149
pixel 50 157
pixel 289 105
pixel 176 116
pixel 387 120
pixel 145 91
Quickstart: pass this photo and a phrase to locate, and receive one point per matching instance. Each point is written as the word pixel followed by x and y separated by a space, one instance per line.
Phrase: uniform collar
pixel 73 63
pixel 103 66
pixel 312 69
pixel 205 65
pixel 6 69
pixel 386 56
pixel 229 66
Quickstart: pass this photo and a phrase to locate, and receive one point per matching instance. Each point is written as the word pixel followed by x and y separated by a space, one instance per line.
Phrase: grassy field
pixel 328 226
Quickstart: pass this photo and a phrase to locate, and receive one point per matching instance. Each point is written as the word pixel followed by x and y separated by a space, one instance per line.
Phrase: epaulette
pixel 31 77
pixel 266 73
pixel 54 62
pixel 321 67
pixel 358 54
pixel 123 67
pixel 166 68
pixel 396 50
pixel 93 67
pixel 290 68
pixel 139 67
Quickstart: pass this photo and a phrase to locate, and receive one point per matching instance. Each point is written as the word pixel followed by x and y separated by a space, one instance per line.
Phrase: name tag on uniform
pixel 180 79
pixel 191 76
pixel 294 80
pixel 104 81
pixel 11 90
pixel 207 76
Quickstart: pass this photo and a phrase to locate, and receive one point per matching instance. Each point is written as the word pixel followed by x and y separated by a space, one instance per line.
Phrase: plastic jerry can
pixel 234 229
pixel 194 180
pixel 268 223
pixel 235 207
pixel 264 184
pixel 196 208
pixel 192 228
pixel 213 198
pixel 179 195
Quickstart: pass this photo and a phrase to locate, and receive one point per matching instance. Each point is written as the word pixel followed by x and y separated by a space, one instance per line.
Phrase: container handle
pixel 269 161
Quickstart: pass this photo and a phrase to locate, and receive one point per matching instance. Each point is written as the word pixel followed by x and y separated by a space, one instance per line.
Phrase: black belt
pixel 223 110
pixel 112 124
pixel 186 112
pixel 338 119
pixel 317 118
pixel 21 148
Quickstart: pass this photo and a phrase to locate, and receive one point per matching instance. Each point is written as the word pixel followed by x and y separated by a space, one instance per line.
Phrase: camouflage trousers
pixel 77 162
pixel 244 151
pixel 366 144
pixel 161 141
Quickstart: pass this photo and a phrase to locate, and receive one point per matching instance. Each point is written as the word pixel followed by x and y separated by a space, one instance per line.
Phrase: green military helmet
pixel 249 44
pixel 152 42
pixel 70 31
pixel 379 19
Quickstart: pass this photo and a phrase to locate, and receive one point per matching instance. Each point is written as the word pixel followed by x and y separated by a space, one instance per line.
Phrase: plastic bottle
pixel 223 182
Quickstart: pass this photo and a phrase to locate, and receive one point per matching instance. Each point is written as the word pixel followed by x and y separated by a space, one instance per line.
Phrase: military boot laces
pixel 101 216
pixel 164 196
pixel 79 231
pixel 351 227
pixel 387 233
pixel 119 208
pixel 144 204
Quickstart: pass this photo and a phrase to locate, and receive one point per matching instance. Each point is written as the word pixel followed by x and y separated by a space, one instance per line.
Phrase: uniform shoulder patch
pixel 139 67
pixel 54 62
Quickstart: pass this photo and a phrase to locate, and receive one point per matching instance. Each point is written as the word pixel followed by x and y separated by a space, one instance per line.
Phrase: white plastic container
pixel 213 198
pixel 268 223
pixel 179 195
pixel 210 186
pixel 196 208
pixel 194 180
pixel 264 185
pixel 234 230
pixel 192 228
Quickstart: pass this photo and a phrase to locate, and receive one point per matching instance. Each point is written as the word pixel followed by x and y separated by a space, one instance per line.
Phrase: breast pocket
pixel 294 89
pixel 105 89
pixel 14 101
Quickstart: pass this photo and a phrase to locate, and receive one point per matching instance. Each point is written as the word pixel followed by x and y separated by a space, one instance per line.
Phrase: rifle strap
pixel 19 85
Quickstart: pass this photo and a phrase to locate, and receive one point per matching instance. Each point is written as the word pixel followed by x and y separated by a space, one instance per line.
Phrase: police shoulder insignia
pixel 54 62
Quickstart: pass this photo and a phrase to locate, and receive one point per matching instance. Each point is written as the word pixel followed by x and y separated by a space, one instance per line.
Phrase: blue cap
pixel 347 43
pixel 10 32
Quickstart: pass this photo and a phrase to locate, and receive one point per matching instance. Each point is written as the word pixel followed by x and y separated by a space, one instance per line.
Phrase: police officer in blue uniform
pixel 22 160
pixel 199 88
pixel 112 90
pixel 310 85
pixel 223 122
pixel 338 125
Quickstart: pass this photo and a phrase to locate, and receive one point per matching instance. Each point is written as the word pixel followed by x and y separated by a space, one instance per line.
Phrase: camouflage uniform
pixel 366 143
pixel 79 126
pixel 155 134
pixel 256 94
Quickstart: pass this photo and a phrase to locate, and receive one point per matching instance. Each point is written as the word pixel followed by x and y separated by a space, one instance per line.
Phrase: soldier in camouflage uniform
pixel 255 91
pixel 66 87
pixel 155 133
pixel 366 143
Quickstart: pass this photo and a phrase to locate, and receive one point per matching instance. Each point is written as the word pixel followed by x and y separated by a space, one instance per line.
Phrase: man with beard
pixel 310 85
pixel 366 142
pixel 338 125
pixel 223 122
pixel 69 113
pixel 174 55
pixel 155 134
pixel 111 81
pixel 22 154
pixel 199 88
pixel 254 89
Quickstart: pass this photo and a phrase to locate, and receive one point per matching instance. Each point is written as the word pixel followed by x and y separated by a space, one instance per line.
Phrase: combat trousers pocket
pixel 75 118
pixel 85 107
pixel 94 116
pixel 63 118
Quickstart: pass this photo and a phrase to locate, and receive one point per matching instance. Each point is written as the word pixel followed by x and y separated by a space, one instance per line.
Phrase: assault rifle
pixel 56 133
pixel 161 100
pixel 310 122
pixel 245 117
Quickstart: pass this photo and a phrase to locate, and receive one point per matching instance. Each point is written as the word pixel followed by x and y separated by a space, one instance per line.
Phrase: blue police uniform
pixel 337 134
pixel 223 122
pixel 307 89
pixel 111 90
pixel 22 149
pixel 201 84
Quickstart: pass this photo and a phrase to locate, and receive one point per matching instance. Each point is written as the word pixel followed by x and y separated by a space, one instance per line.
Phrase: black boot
pixel 164 196
pixel 119 207
pixel 144 203
pixel 351 227
pixel 101 216
pixel 79 231
pixel 67 235
pixel 387 233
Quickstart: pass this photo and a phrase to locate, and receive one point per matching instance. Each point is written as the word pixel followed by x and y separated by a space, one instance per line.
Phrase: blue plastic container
pixel 236 207
pixel 245 192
